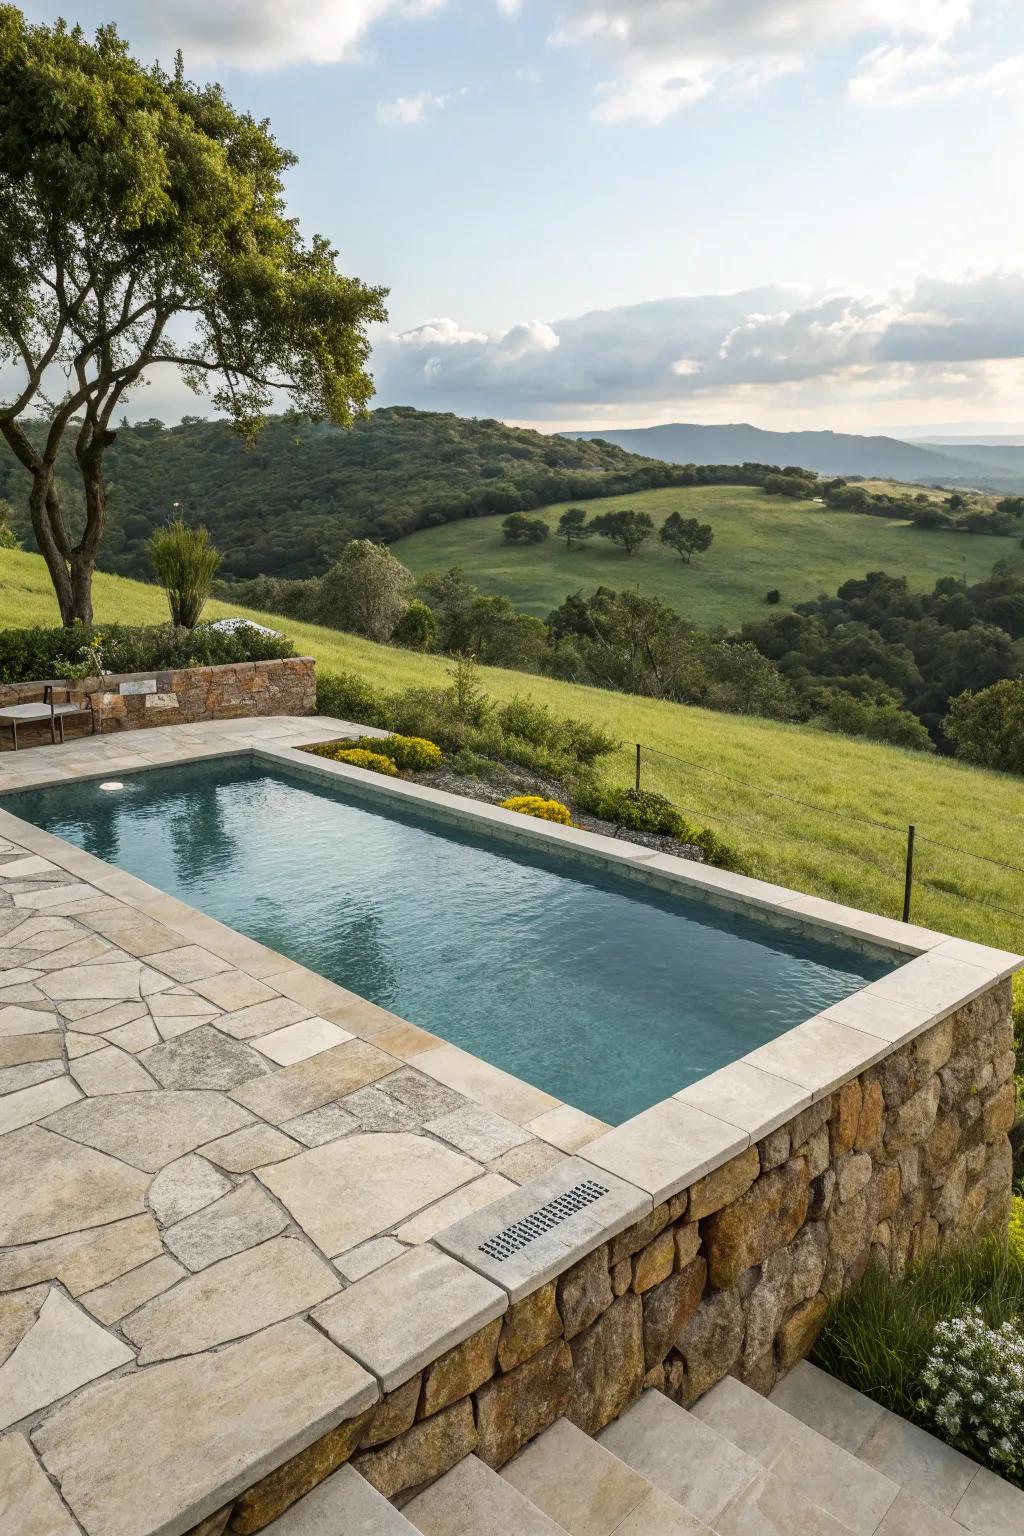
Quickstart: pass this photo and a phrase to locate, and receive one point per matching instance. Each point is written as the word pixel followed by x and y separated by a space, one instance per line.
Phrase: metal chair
pixel 15 715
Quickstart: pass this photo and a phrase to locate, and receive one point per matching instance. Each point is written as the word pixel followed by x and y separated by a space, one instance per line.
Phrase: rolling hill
pixel 761 542
pixel 823 813
pixel 828 453
pixel 288 504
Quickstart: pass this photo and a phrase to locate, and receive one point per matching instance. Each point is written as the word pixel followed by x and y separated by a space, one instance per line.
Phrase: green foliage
pixel 773 595
pixel 537 805
pixel 287 505
pixel 686 535
pixel 1015 1234
pixel 8 538
pixel 129 198
pixel 880 720
pixel 27 655
pixel 988 727
pixel 416 630
pixel 879 1335
pixel 573 526
pixel 184 563
pixel 625 527
pixel 643 810
pixel 520 529
pixel 412 754
pixel 367 592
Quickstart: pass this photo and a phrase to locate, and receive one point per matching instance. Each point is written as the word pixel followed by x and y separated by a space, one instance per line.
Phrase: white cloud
pixel 406 111
pixel 665 55
pixel 940 338
pixel 899 76
pixel 248 34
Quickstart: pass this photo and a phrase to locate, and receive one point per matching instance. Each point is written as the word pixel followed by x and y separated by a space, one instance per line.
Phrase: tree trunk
pixel 45 509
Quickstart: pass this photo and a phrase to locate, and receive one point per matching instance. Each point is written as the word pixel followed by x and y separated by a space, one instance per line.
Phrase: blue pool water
pixel 587 986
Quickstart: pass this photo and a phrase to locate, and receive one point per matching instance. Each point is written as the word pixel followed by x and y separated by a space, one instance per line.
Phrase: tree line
pixel 624 527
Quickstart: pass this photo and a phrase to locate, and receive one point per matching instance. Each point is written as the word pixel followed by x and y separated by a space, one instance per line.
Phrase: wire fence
pixel 908 861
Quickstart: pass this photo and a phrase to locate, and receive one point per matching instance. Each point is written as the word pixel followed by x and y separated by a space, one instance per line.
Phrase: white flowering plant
pixel 973 1390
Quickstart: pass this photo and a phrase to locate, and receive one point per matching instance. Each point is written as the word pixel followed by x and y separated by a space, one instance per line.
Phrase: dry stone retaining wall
pixel 186 695
pixel 733 1275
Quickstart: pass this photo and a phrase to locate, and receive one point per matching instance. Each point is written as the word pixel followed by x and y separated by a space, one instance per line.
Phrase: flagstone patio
pixel 187 1118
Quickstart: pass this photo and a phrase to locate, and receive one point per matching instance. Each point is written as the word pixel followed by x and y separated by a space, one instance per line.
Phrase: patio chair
pixel 47 709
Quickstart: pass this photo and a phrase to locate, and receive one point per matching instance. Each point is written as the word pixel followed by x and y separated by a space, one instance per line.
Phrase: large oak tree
pixel 143 224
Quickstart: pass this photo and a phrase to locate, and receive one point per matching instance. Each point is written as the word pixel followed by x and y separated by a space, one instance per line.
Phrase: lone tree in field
pixel 686 535
pixel 142 223
pixel 573 526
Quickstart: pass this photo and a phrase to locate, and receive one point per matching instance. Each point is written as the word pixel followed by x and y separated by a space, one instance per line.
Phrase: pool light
pixel 112 784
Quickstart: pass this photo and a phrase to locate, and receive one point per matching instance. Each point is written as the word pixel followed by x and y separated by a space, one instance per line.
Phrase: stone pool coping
pixel 387 1323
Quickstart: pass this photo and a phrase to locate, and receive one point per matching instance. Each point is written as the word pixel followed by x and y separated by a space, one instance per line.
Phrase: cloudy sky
pixel 801 213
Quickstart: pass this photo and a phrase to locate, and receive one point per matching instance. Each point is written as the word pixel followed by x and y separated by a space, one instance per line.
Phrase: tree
pixel 185 563
pixel 7 535
pixel 520 529
pixel 988 727
pixel 627 528
pixel 686 535
pixel 417 628
pixel 366 592
pixel 573 526
pixel 144 225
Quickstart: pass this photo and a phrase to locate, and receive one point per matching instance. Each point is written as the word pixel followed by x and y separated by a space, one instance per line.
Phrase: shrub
pixel 359 757
pixel 184 563
pixel 878 1337
pixel 367 591
pixel 413 754
pixel 536 805
pixel 345 696
pixel 773 596
pixel 30 654
pixel 973 1390
pixel 988 727
pixel 642 810
pixel 1015 1236
pixel 416 630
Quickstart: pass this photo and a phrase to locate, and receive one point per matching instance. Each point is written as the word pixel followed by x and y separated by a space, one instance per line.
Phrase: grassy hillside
pixel 760 542
pixel 803 807
pixel 288 504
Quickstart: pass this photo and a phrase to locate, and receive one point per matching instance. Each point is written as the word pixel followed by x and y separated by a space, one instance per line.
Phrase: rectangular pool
pixel 607 994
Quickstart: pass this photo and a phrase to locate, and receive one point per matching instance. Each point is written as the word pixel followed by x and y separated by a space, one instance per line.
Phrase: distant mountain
pixel 829 453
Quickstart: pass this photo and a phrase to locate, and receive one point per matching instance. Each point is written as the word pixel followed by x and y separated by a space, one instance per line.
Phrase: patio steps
pixel 816 1459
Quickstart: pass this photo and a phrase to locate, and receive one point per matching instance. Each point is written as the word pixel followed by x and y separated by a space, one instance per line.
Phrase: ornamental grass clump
pixel 973 1390
pixel 536 805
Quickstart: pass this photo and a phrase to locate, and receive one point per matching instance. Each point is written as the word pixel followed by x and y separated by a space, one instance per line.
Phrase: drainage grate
pixel 509 1241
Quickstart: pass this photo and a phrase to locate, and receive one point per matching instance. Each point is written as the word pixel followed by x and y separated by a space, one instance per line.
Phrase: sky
pixel 596 213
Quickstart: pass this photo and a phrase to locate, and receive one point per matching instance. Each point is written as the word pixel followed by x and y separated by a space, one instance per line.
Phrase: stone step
pixel 471 1500
pixel 826 1474
pixel 721 1485
pixel 932 1473
pixel 589 1492
pixel 343 1502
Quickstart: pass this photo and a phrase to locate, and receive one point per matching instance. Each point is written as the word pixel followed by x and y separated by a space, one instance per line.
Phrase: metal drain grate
pixel 511 1239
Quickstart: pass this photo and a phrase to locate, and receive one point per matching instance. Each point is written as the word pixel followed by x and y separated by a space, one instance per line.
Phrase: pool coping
pixel 636 1165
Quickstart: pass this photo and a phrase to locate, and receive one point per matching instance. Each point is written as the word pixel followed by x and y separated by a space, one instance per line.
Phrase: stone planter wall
pixel 732 1275
pixel 132 701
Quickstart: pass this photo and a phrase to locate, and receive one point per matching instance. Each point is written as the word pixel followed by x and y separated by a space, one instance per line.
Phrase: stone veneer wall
pixel 733 1275
pixel 131 701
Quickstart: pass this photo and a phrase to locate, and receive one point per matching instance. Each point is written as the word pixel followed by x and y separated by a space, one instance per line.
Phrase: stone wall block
pixel 607 1365
pixel 584 1292
pixel 431 1447
pixel 460 1371
pixel 767 1217
pixel 708 1347
pixel 513 1408
pixel 799 1331
pixel 655 1262
pixel 872 1118
pixel 725 1184
pixel 640 1233
pixel 394 1414
pixel 687 1243
pixel 775 1148
pixel 912 1122
pixel 529 1324
pixel 934 1048
pixel 669 1307
pixel 998 1113
pixel 845 1118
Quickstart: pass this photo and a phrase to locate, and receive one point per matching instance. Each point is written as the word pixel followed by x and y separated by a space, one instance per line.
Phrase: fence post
pixel 638 767
pixel 908 884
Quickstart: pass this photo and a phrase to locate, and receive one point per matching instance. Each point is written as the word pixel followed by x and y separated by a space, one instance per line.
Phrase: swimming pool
pixel 599 990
